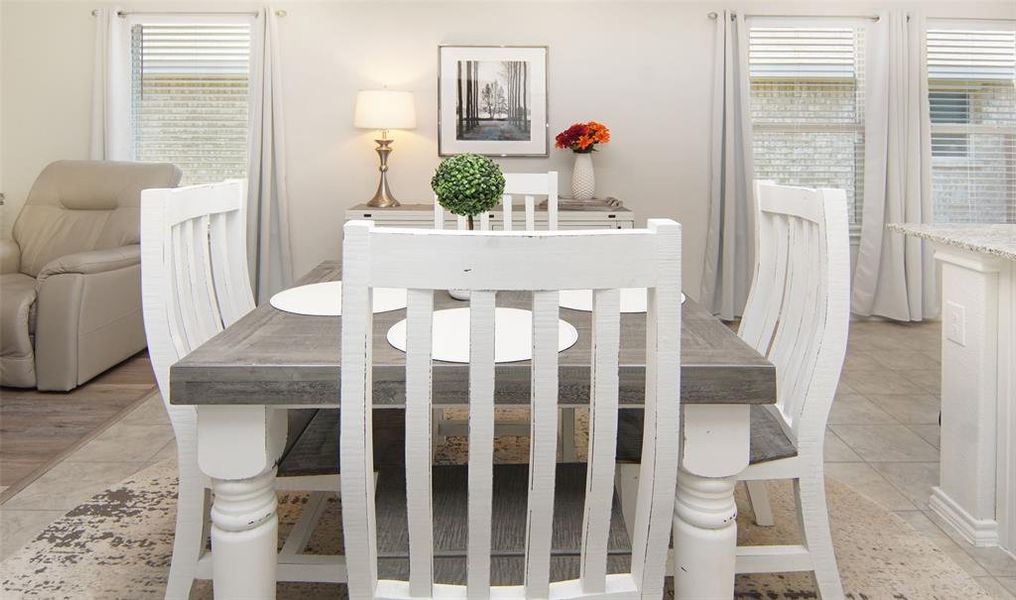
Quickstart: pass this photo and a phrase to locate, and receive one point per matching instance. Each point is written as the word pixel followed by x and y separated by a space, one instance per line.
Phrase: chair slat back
pixel 797 313
pixel 194 278
pixel 419 325
pixel 227 240
pixel 606 340
pixel 524 186
pixel 485 264
pixel 543 443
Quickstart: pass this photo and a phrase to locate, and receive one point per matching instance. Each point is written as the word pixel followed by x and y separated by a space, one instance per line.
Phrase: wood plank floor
pixel 37 429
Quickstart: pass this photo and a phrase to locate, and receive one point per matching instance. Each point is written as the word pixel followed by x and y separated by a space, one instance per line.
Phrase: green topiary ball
pixel 468 184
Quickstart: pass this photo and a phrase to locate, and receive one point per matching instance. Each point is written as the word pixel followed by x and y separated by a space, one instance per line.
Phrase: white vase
pixel 583 180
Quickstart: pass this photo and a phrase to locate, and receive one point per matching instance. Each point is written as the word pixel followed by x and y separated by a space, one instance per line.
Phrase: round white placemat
pixel 325 299
pixel 633 300
pixel 513 335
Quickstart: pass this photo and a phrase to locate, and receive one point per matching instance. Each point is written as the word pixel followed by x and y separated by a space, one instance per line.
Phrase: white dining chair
pixel 797 316
pixel 195 283
pixel 524 189
pixel 424 261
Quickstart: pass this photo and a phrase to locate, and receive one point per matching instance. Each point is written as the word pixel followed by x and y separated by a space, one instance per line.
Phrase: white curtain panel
pixel 268 237
pixel 895 274
pixel 111 88
pixel 730 242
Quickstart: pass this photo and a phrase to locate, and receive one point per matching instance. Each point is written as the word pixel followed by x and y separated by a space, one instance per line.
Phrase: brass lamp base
pixel 383 198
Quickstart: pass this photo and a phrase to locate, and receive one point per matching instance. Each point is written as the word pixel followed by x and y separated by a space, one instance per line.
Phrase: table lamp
pixel 384 110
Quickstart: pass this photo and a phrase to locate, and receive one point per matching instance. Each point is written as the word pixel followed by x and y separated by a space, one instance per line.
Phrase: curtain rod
pixel 968 19
pixel 124 13
pixel 714 15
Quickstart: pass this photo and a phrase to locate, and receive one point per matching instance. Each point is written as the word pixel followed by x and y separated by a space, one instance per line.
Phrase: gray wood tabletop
pixel 276 358
pixel 566 205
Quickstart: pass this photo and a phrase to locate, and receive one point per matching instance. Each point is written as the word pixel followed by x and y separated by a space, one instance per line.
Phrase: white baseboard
pixel 979 532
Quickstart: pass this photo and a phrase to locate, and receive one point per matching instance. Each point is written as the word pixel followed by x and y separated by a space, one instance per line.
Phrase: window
pixel 807 108
pixel 950 107
pixel 973 125
pixel 190 86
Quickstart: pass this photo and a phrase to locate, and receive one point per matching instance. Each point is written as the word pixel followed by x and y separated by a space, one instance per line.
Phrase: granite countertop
pixel 995 239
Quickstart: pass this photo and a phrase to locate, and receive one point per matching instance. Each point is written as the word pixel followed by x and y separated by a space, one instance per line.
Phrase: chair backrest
pixel 194 278
pixel 526 185
pixel 426 260
pixel 797 314
pixel 80 205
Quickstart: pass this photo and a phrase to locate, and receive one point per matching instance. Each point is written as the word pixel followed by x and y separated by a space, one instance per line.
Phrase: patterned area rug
pixel 118 544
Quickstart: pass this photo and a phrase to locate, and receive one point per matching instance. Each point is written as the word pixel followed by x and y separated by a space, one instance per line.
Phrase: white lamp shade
pixel 384 109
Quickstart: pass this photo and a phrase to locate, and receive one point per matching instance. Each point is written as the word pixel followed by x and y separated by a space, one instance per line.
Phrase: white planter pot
pixel 583 180
pixel 459 294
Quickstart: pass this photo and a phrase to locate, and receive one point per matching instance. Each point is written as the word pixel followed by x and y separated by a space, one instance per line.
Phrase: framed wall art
pixel 492 100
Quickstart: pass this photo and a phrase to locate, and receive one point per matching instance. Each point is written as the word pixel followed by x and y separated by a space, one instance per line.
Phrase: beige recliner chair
pixel 70 280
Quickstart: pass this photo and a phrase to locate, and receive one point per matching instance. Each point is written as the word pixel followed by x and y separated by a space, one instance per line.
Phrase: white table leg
pixel 238 447
pixel 245 531
pixel 716 439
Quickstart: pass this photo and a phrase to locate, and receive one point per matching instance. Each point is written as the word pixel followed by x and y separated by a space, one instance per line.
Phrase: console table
pixel 597 216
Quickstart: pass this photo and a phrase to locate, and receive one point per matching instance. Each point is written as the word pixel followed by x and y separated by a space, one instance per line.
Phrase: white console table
pixel 595 216
pixel 977 488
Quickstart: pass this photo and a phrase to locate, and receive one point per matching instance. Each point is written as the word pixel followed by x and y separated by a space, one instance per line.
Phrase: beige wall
pixel 46 86
pixel 643 68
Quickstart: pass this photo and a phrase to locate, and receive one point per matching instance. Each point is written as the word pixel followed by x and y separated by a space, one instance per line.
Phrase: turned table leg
pixel 245 531
pixel 238 448
pixel 716 439
pixel 705 537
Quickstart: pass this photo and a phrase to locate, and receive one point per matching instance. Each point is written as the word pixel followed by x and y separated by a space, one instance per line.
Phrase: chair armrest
pixel 93 261
pixel 10 256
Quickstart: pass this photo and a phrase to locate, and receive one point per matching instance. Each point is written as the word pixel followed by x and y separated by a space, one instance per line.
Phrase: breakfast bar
pixel 977 491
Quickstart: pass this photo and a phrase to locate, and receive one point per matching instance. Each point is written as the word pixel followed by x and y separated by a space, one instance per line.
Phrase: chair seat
pixel 313 449
pixel 312 446
pixel 768 439
pixel 509 524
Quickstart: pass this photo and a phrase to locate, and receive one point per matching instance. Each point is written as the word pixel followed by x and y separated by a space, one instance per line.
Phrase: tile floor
pixel 141 438
pixel 37 429
pixel 882 440
pixel 883 436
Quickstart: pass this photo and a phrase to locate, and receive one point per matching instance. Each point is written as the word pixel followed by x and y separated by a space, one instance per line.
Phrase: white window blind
pixel 807 108
pixel 971 79
pixel 191 90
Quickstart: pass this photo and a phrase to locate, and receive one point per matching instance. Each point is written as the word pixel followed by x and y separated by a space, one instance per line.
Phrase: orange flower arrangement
pixel 583 137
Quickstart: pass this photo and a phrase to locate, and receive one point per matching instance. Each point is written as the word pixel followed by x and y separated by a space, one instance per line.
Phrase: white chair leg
pixel 814 515
pixel 758 496
pixel 626 480
pixel 189 540
pixel 566 437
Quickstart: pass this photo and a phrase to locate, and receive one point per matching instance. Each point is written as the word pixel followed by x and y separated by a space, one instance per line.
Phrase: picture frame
pixel 492 100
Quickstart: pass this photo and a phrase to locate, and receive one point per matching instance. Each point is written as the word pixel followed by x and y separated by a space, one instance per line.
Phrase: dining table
pixel 243 381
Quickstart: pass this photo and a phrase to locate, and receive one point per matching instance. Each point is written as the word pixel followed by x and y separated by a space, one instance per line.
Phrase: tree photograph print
pixel 493 100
